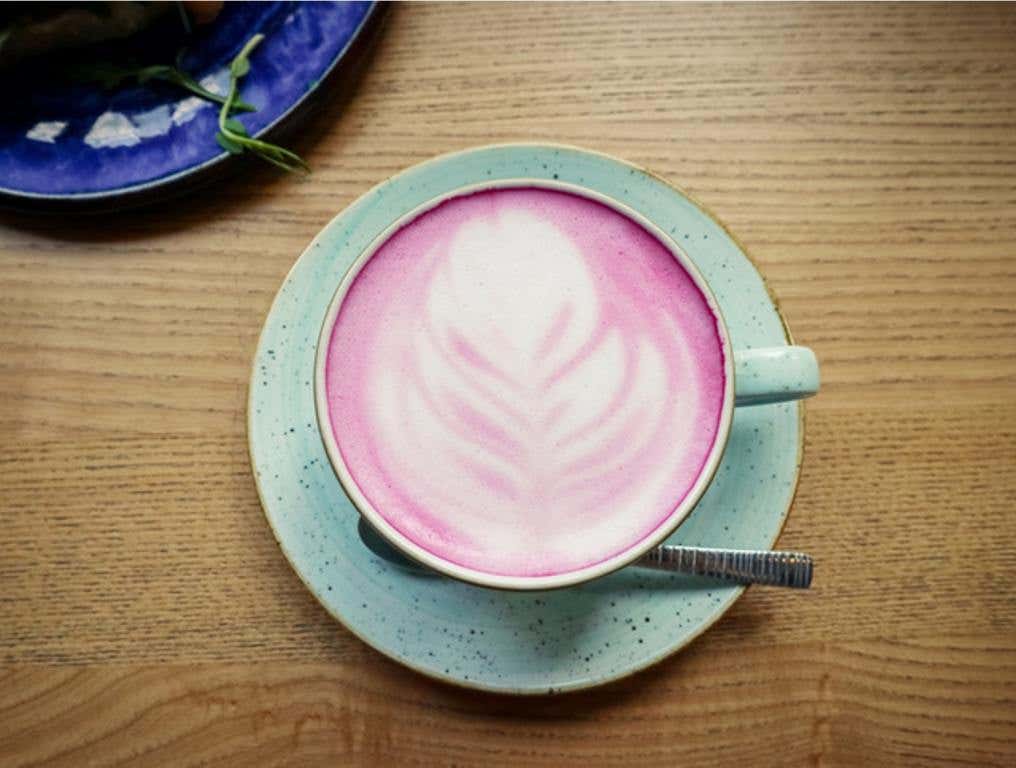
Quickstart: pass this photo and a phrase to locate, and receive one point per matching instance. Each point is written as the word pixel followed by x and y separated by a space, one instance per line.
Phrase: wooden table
pixel 865 154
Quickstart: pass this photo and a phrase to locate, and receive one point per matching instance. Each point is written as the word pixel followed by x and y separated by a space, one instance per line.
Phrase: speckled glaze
pixel 70 141
pixel 533 642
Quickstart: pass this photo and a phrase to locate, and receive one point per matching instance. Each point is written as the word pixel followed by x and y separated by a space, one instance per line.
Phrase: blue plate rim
pixel 223 157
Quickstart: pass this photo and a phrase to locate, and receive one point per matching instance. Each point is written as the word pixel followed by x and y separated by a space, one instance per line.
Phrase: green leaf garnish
pixel 148 73
pixel 232 132
pixel 109 76
pixel 229 145
pixel 236 126
pixel 232 135
pixel 239 67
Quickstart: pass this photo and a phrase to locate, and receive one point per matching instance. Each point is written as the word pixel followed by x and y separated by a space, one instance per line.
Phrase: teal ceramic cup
pixel 752 377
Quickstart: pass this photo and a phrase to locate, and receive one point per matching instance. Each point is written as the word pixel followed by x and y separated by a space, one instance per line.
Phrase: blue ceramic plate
pixel 61 141
pixel 535 642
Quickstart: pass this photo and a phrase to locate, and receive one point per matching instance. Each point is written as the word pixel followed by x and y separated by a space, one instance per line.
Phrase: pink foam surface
pixel 524 381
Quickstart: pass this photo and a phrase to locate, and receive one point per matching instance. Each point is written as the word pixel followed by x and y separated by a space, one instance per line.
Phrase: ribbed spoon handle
pixel 778 569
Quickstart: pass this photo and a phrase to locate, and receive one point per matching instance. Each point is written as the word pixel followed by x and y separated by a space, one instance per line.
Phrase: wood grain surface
pixel 866 157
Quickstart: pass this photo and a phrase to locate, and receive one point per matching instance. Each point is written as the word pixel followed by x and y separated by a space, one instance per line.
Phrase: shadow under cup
pixel 527 385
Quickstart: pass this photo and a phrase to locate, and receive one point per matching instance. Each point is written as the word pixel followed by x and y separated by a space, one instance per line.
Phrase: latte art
pixel 524 382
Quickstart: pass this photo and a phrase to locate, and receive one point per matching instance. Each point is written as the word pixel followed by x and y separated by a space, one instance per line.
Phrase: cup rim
pixel 483 578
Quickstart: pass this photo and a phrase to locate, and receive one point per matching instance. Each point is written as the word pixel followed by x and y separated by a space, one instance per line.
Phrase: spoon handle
pixel 778 569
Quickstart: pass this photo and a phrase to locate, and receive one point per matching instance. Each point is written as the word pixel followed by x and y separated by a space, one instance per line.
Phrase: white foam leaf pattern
pixel 520 396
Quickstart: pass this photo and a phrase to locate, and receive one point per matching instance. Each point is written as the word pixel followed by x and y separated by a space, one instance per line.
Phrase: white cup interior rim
pixel 481 578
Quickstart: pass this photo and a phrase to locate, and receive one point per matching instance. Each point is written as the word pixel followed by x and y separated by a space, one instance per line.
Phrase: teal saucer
pixel 534 642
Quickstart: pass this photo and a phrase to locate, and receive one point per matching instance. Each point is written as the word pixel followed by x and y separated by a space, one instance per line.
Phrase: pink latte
pixel 524 382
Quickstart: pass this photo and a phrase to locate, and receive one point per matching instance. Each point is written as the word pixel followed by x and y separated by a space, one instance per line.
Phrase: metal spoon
pixel 772 568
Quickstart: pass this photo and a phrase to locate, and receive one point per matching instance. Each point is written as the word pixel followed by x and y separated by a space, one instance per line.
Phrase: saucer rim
pixel 737 591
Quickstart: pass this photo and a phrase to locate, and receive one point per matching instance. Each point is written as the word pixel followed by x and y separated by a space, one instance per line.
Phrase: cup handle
pixel 774 375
